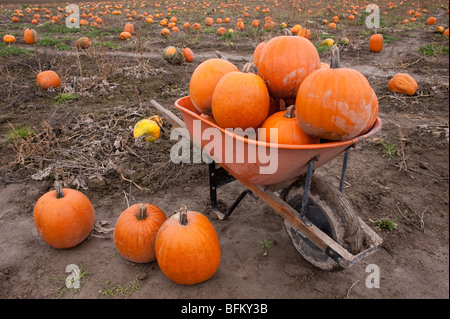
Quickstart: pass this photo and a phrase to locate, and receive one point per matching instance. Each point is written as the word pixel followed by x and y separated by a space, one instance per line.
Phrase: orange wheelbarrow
pixel 319 220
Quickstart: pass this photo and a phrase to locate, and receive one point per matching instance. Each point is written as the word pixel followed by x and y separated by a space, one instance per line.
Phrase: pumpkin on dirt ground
pixel 376 43
pixel 173 55
pixel 125 35
pixel 9 39
pixel 135 232
pixel 30 36
pixel 48 79
pixel 204 80
pixel 63 217
pixel 129 27
pixel 240 100
pixel 285 62
pixel 188 55
pixel 187 248
pixel 336 103
pixel 403 83
pixel 288 130
pixel 83 43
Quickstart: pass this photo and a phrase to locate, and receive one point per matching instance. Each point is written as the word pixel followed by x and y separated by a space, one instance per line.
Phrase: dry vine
pixel 100 148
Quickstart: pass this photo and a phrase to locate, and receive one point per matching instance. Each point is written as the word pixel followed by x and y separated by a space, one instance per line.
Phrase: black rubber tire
pixel 330 212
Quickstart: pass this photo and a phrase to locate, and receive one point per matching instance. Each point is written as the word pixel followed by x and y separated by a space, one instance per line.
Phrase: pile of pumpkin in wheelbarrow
pixel 316 107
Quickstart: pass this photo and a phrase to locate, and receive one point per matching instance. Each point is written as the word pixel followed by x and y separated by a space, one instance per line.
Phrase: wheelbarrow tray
pixel 292 160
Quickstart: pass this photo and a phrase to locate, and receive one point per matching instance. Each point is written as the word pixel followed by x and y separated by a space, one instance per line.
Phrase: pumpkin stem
pixel 290 112
pixel 250 68
pixel 142 212
pixel 59 190
pixel 220 55
pixel 286 31
pixel 183 216
pixel 335 61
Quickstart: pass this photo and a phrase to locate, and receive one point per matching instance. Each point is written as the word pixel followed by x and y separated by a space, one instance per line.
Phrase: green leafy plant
pixel 14 51
pixel 265 245
pixel 389 149
pixel 385 224
pixel 227 37
pixel 64 98
pixel 20 132
pixel 433 49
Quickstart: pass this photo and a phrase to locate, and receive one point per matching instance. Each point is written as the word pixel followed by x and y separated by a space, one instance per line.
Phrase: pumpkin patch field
pixel 81 135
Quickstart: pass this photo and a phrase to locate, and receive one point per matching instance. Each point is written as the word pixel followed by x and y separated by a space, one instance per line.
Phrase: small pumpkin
pixel 125 35
pixel 287 128
pixel 204 80
pixel 209 21
pixel 188 55
pixel 376 43
pixel 83 43
pixel 135 232
pixel 165 32
pixel 150 127
pixel 9 39
pixel 306 33
pixel 221 31
pixel 63 217
pixel 48 79
pixel 249 105
pixel 30 36
pixel 431 21
pixel 173 55
pixel 129 27
pixel 328 41
pixel 403 83
pixel 336 103
pixel 187 248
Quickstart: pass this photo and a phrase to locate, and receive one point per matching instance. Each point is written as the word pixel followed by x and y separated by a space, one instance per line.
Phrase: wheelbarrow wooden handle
pixel 170 117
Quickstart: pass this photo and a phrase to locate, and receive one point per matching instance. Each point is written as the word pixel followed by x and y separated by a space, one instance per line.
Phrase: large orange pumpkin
pixel 240 100
pixel 336 103
pixel 48 79
pixel 187 248
pixel 204 80
pixel 63 217
pixel 288 131
pixel 257 52
pixel 285 62
pixel 135 232
pixel 30 36
pixel 403 83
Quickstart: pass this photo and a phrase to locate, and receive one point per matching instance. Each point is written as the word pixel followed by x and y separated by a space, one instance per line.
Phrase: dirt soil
pixel 88 144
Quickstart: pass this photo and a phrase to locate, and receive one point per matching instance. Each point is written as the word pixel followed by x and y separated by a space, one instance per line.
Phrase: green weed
pixel 20 132
pixel 385 224
pixel 64 98
pixel 265 245
pixel 433 49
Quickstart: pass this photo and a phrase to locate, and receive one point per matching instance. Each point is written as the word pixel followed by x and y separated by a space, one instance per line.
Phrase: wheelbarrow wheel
pixel 331 213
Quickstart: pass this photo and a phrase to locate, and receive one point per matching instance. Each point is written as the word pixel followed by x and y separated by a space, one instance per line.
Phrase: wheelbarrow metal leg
pixel 344 169
pixel 219 177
